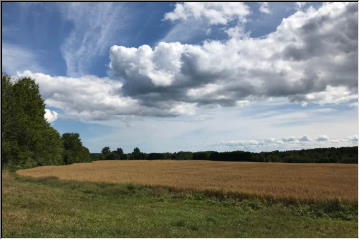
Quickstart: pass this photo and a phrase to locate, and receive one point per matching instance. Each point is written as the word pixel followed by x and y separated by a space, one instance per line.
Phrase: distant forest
pixel 28 140
pixel 317 155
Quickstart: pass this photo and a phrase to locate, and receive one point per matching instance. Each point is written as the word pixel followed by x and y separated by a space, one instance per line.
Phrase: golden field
pixel 314 182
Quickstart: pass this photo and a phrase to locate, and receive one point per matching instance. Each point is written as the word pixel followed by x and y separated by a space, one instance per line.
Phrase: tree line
pixel 317 155
pixel 28 140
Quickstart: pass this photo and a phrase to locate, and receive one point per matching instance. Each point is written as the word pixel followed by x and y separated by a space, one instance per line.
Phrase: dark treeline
pixel 317 155
pixel 28 140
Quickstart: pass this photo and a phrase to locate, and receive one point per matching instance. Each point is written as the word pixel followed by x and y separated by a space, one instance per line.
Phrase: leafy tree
pixel 107 154
pixel 74 151
pixel 52 154
pixel 183 155
pixel 95 156
pixel 105 151
pixel 28 139
pixel 136 154
pixel 119 153
pixel 7 144
pixel 319 155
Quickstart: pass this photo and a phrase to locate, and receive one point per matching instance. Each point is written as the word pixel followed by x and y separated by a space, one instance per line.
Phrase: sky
pixel 193 76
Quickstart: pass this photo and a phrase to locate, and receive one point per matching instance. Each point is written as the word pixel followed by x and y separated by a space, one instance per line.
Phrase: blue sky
pixel 191 76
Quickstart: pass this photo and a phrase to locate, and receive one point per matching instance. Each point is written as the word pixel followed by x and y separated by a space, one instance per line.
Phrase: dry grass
pixel 319 182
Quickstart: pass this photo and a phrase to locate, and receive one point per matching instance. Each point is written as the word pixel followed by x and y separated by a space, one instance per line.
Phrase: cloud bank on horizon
pixel 290 143
pixel 311 57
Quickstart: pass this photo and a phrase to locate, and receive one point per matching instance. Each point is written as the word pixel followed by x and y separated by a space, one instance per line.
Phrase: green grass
pixel 54 208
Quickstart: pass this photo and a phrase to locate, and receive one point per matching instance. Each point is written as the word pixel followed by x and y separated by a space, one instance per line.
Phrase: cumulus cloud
pixel 296 139
pixel 290 139
pixel 158 65
pixel 211 12
pixel 322 138
pixel 264 7
pixel 86 97
pixel 50 115
pixel 194 20
pixel 287 143
pixel 304 139
pixel 94 98
pixel 310 58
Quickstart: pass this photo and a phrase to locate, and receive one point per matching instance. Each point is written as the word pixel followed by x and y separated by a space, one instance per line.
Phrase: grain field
pixel 315 182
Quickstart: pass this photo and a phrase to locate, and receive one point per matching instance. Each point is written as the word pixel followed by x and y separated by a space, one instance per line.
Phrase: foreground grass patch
pixel 55 208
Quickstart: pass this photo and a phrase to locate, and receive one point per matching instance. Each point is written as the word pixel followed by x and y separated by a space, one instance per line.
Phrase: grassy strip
pixel 336 208
pixel 53 208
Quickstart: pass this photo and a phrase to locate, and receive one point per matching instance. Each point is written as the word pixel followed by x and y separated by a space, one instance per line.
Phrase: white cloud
pixel 307 59
pixel 203 91
pixel 50 115
pixel 322 138
pixel 304 139
pixel 290 139
pixel 296 139
pixel 94 98
pixel 264 7
pixel 242 103
pixel 211 12
pixel 330 95
pixel 353 139
pixel 157 65
pixel 271 144
pixel 184 109
pixel 87 97
pixel 196 20
pixel 237 32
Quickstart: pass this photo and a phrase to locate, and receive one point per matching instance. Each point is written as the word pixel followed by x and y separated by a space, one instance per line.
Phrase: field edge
pixel 336 208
